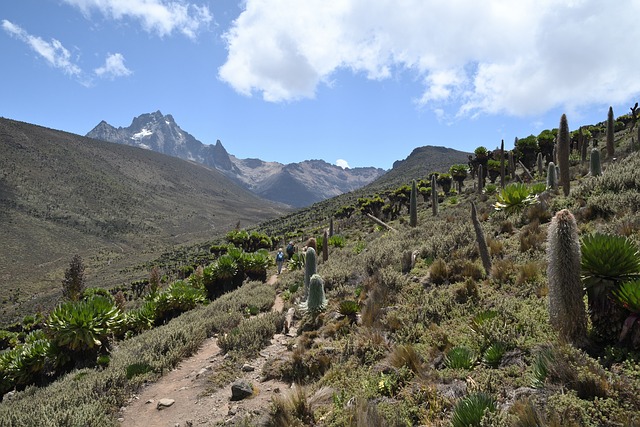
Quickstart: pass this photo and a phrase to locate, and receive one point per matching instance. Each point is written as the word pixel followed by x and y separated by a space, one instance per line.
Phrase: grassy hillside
pixel 116 206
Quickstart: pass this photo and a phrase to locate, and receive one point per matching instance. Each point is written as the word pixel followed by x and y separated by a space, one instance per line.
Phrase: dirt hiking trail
pixel 188 383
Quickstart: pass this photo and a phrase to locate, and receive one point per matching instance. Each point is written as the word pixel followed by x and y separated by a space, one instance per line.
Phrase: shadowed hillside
pixel 419 164
pixel 62 194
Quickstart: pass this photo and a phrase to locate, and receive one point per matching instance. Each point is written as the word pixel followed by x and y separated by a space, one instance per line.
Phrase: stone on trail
pixel 241 389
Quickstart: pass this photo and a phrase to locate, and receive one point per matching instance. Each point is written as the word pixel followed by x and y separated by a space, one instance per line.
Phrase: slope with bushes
pixel 62 194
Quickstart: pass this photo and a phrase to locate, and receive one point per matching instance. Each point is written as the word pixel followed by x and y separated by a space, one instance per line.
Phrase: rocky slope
pixel 296 184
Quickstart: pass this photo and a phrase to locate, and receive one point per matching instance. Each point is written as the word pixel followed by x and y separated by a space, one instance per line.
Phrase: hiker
pixel 290 250
pixel 279 260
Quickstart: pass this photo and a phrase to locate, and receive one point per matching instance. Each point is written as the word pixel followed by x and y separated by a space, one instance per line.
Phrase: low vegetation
pixel 401 325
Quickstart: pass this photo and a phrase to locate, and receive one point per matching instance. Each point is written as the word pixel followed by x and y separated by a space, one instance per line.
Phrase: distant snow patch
pixel 342 163
pixel 142 134
pixel 145 146
pixel 167 122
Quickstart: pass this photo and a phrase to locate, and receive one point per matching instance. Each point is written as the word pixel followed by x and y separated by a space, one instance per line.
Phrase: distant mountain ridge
pixel 296 184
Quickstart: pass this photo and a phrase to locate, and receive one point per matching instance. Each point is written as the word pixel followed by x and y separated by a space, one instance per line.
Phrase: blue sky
pixel 352 82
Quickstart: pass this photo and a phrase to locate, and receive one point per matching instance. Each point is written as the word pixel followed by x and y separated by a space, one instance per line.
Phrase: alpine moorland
pixel 505 292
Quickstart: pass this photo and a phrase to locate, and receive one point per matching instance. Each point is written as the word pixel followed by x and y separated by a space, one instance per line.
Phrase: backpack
pixel 280 256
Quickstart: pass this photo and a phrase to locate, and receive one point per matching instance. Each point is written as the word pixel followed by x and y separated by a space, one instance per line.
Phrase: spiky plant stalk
pixel 317 300
pixel 563 154
pixel 331 227
pixel 310 268
pixel 581 143
pixel 584 149
pixel 540 164
pixel 595 167
pixel 610 130
pixel 480 179
pixel 552 180
pixel 502 171
pixel 413 205
pixel 325 247
pixel 434 195
pixel 512 165
pixel 482 242
pixel 567 312
pixel 73 284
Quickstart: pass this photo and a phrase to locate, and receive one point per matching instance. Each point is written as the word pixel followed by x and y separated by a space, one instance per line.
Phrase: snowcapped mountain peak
pixel 297 184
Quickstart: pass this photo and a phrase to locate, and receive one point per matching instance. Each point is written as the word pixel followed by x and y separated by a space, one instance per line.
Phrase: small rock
pixel 247 368
pixel 241 389
pixel 120 420
pixel 233 410
pixel 201 371
pixel 165 403
pixel 149 401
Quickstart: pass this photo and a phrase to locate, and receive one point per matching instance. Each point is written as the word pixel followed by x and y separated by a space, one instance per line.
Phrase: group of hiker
pixel 290 251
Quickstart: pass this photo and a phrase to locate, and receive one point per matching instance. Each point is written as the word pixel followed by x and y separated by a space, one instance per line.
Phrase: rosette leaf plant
pixel 83 325
pixel 470 410
pixel 226 268
pixel 607 262
pixel 514 198
pixel 256 264
pixel 627 294
pixel 141 318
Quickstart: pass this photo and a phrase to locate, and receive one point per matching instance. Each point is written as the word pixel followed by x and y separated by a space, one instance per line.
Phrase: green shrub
pixel 337 241
pixel 252 334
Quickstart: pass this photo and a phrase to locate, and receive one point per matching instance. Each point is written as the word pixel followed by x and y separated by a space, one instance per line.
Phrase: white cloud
pixel 53 52
pixel 113 67
pixel 342 163
pixel 497 56
pixel 162 17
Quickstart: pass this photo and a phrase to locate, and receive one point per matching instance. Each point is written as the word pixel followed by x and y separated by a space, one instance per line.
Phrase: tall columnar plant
pixel 317 300
pixel 434 195
pixel 595 166
pixel 331 227
pixel 563 154
pixel 310 268
pixel 512 164
pixel 73 284
pixel 581 141
pixel 482 242
pixel 413 205
pixel 325 246
pixel 610 130
pixel 540 164
pixel 552 180
pixel 566 307
pixel 502 165
pixel 480 179
pixel 583 150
